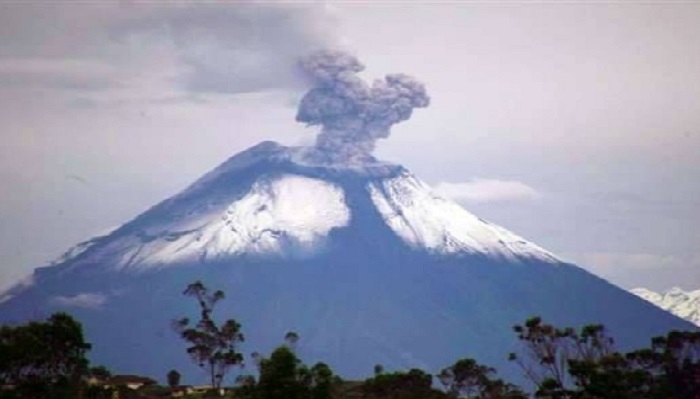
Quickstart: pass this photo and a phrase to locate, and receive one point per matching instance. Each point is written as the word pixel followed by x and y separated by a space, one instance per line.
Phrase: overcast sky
pixel 576 126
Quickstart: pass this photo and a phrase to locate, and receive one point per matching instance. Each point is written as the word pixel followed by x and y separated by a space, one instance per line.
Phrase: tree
pixel 173 378
pixel 679 358
pixel 322 381
pixel 283 376
pixel 414 384
pixel 44 358
pixel 672 365
pixel 550 351
pixel 100 372
pixel 245 387
pixel 378 369
pixel 291 338
pixel 212 347
pixel 465 378
pixel 468 379
pixel 565 363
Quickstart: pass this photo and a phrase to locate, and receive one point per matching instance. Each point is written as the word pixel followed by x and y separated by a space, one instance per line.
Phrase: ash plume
pixel 353 115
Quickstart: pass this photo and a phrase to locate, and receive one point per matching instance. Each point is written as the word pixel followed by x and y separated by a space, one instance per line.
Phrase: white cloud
pixel 487 190
pixel 82 300
pixel 194 48
pixel 51 72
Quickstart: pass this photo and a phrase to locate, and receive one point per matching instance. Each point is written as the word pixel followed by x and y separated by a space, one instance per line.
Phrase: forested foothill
pixel 49 359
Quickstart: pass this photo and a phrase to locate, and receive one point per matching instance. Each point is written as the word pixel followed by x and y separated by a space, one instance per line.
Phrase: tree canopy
pixel 44 359
pixel 568 363
pixel 212 347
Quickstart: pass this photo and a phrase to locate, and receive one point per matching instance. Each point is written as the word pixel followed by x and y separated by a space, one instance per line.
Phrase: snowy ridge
pixel 78 249
pixel 271 200
pixel 684 304
pixel 363 260
pixel 426 220
pixel 285 215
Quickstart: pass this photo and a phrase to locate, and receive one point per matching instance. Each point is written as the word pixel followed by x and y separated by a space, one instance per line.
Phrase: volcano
pixel 363 261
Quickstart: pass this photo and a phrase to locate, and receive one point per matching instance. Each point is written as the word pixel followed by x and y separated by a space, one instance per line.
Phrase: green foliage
pixel 212 347
pixel 414 384
pixel 378 369
pixel 564 363
pixel 48 360
pixel 283 376
pixel 322 381
pixel 547 352
pixel 100 372
pixel 173 378
pixel 44 359
pixel 671 365
pixel 468 379
pixel 550 350
pixel 245 387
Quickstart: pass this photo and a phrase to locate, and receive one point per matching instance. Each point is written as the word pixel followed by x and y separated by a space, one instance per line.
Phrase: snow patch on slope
pixel 288 215
pixel 80 248
pixel 425 220
pixel 265 202
pixel 684 304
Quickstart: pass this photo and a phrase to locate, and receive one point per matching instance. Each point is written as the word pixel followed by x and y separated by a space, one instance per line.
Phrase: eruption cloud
pixel 353 115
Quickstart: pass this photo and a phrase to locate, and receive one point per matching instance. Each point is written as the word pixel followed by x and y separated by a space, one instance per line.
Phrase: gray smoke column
pixel 353 115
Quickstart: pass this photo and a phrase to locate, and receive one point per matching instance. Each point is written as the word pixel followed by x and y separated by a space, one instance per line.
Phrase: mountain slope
pixel 684 304
pixel 222 215
pixel 364 262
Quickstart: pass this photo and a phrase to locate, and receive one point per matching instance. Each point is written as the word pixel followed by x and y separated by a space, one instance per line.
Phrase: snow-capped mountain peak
pixel 363 259
pixel 684 304
pixel 272 200
pixel 426 220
